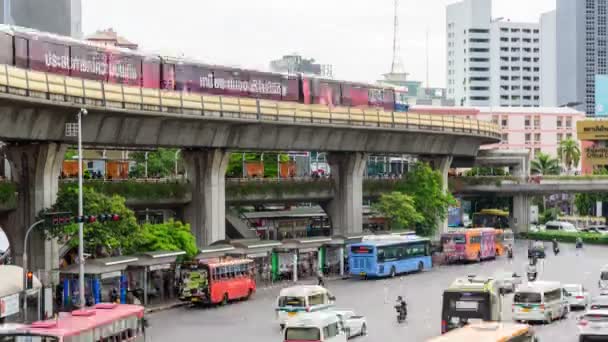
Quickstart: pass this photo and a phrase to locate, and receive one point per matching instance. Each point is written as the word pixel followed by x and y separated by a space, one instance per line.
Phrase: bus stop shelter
pixel 334 252
pixel 303 252
pixel 214 251
pixel 260 251
pixel 154 274
pixel 100 275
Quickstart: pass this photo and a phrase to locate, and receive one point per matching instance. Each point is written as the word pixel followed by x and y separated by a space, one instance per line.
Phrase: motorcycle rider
pixel 555 246
pixel 531 269
pixel 510 251
pixel 401 306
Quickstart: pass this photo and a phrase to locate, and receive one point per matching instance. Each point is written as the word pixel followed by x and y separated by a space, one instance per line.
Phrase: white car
pixel 578 296
pixel 592 325
pixel 599 303
pixel 507 281
pixel 354 325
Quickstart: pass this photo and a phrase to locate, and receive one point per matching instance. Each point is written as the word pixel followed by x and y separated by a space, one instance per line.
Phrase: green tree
pixel 168 236
pixel 485 171
pixel 569 153
pixel 399 208
pixel 100 239
pixel 426 187
pixel 161 163
pixel 544 164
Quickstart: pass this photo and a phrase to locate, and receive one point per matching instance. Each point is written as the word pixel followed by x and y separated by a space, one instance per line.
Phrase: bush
pixel 135 190
pixel 8 197
pixel 591 238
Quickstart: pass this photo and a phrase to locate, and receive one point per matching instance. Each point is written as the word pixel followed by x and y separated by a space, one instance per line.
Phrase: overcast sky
pixel 355 36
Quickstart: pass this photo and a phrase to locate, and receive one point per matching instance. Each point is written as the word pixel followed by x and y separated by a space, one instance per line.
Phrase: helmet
pixel 399 298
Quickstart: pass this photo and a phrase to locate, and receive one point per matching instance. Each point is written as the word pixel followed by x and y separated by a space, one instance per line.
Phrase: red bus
pixel 101 323
pixel 215 281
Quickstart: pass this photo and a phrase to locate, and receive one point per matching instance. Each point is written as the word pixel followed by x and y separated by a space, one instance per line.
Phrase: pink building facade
pixel 536 129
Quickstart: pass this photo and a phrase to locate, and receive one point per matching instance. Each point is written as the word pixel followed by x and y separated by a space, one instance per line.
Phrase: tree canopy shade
pixel 569 153
pixel 168 236
pixel 399 209
pixel 544 164
pixel 161 163
pixel 100 239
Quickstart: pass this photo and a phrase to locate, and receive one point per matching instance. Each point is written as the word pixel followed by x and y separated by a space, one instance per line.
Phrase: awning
pixel 11 280
pixel 106 267
pixel 308 244
pixel 214 251
pixel 252 248
pixel 158 259
pixel 346 239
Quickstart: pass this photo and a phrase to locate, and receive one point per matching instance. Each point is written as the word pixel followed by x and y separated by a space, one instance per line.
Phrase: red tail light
pixel 444 326
pixel 580 297
pixel 308 309
pixel 583 322
pixel 542 306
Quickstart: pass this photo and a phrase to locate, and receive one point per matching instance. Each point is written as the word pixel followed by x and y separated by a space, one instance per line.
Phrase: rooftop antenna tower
pixel 427 58
pixel 397 65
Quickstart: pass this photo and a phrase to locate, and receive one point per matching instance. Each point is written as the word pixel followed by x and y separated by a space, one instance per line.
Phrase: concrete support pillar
pixel 522 169
pixel 346 208
pixel 35 168
pixel 295 266
pixel 442 164
pixel 521 213
pixel 206 213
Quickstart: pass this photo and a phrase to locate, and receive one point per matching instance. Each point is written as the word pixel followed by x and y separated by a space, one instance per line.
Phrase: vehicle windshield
pixel 303 334
pixel 27 338
pixel 604 275
pixel 292 301
pixel 572 288
pixel 596 318
pixel 527 297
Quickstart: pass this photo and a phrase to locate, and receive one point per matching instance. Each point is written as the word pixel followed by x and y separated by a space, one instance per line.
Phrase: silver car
pixel 599 303
pixel 593 325
pixel 578 296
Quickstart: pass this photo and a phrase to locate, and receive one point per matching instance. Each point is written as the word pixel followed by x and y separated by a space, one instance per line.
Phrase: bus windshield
pixel 481 220
pixel 604 275
pixel 27 338
pixel 292 301
pixel 461 307
pixel 302 334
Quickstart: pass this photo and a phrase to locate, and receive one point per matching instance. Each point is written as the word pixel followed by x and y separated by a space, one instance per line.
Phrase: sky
pixel 355 36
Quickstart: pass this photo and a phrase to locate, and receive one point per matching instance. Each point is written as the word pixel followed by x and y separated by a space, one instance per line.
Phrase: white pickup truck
pixel 353 325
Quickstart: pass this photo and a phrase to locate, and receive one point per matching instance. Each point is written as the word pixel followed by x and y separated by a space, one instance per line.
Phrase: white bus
pixel 322 326
pixel 293 301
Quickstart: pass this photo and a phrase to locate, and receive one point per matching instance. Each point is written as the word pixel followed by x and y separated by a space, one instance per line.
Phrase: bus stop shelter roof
pixel 252 247
pixel 214 251
pixel 341 240
pixel 305 243
pixel 156 258
pixel 301 212
pixel 101 266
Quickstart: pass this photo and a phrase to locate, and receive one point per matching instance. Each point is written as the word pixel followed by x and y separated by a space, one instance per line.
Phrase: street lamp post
pixel 25 268
pixel 82 113
pixel 146 165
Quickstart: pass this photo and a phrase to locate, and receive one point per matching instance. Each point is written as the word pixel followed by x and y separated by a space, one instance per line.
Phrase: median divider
pixel 591 238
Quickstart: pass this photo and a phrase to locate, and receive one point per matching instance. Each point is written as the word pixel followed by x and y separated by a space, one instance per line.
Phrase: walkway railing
pixel 117 96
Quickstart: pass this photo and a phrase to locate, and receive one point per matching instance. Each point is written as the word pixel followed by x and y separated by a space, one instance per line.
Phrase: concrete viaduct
pixel 35 108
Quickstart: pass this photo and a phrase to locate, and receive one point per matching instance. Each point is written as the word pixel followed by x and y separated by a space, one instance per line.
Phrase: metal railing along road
pixel 59 88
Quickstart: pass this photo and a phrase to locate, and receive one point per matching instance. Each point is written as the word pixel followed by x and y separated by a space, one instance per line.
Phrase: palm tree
pixel 544 164
pixel 569 153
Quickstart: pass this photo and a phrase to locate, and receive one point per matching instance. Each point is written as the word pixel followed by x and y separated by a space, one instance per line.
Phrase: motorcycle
pixel 401 313
pixel 556 250
pixel 510 253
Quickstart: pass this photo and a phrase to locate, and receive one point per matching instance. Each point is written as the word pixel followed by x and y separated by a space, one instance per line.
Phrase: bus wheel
pixel 225 299
pixel 393 272
pixel 420 266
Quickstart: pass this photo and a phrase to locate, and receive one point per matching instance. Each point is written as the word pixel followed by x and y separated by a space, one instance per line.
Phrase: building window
pixel 527 122
pixel 528 137
pixel 536 151
pixel 495 119
pixel 537 138
pixel 559 121
pixel 560 137
pixel 568 122
pixel 569 136
pixel 537 122
pixel 505 138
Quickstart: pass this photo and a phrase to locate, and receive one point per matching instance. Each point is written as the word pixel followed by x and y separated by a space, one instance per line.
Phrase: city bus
pixel 471 298
pixel 389 257
pixel 489 332
pixel 215 281
pixel 491 218
pixel 474 244
pixel 103 322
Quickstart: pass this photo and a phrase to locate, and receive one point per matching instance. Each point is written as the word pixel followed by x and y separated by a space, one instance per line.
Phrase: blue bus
pixel 380 258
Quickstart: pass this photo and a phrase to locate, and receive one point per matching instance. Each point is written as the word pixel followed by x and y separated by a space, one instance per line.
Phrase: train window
pixel 21 52
pixel 88 62
pixel 49 56
pixel 151 73
pixel 168 76
pixel 6 49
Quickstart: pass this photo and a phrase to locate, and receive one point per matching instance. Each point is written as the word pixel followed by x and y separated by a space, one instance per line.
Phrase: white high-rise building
pixel 491 62
pixel 548 57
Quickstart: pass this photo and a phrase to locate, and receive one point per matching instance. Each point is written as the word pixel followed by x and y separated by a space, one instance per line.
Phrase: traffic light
pixel 56 219
pixel 29 280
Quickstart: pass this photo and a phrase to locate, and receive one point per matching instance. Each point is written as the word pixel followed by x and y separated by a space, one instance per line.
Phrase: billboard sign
pixel 601 95
pixel 592 129
pixel 597 155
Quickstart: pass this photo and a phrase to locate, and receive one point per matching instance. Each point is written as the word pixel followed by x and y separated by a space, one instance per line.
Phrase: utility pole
pixel 397 64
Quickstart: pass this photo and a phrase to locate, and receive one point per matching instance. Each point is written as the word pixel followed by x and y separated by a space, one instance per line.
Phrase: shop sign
pixel 160 267
pixel 592 129
pixel 597 155
pixel 9 305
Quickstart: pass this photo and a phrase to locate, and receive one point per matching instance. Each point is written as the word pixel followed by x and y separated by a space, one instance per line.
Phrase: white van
pixel 603 282
pixel 540 301
pixel 293 301
pixel 322 326
pixel 561 225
